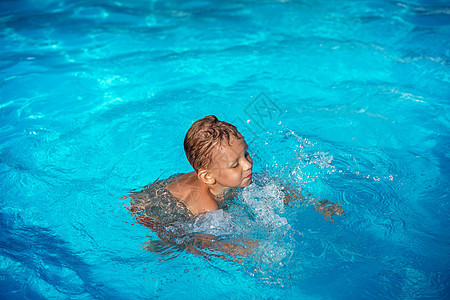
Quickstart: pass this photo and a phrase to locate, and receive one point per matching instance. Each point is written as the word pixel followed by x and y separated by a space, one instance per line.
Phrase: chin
pixel 247 183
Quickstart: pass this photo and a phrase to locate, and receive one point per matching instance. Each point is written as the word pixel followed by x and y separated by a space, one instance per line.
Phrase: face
pixel 232 165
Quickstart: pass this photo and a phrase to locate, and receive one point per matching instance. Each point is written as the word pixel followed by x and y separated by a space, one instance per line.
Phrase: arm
pixel 209 245
pixel 325 207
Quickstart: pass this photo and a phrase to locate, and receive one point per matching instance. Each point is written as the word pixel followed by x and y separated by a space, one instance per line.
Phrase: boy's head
pixel 204 137
pixel 218 153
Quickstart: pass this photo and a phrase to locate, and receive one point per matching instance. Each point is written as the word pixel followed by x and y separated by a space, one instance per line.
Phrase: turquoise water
pixel 348 100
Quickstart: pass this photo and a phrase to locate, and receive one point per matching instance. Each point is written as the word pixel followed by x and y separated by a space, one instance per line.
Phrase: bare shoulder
pixel 186 189
pixel 189 190
pixel 182 186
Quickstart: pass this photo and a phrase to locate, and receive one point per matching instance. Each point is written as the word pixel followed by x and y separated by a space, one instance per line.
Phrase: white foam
pixel 218 222
pixel 267 203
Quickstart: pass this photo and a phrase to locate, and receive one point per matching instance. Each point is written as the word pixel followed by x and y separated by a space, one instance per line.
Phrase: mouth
pixel 249 176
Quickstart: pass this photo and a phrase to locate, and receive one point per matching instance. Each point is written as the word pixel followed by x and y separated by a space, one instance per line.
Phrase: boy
pixel 218 153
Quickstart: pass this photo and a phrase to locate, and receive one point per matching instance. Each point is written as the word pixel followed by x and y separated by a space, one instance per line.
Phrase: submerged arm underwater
pixel 327 208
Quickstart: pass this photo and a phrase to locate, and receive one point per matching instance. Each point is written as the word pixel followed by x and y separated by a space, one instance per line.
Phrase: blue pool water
pixel 348 100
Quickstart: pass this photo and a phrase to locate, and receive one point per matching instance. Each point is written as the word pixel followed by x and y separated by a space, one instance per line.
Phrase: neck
pixel 216 191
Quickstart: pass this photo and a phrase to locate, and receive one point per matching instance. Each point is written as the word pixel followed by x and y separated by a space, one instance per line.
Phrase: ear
pixel 206 176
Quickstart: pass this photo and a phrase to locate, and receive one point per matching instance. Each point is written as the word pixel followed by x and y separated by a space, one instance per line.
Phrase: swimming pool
pixel 348 100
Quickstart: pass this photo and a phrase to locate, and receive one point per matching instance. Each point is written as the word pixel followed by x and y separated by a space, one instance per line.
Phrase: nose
pixel 248 163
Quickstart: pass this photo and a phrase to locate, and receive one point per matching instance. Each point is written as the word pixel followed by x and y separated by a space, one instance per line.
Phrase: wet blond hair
pixel 203 137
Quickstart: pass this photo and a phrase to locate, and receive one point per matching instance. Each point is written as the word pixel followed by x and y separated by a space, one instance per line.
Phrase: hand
pixel 328 209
